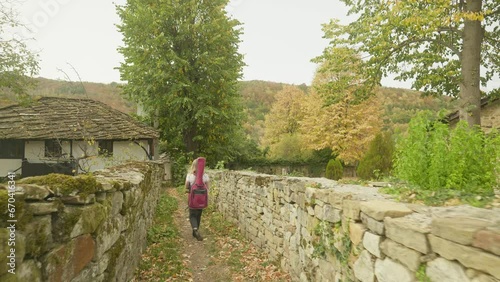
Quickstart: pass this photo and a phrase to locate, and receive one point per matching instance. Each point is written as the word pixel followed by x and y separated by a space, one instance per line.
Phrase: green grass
pixel 162 259
pixel 438 197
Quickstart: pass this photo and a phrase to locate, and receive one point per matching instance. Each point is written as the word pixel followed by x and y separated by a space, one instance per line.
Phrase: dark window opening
pixel 105 148
pixel 11 149
pixel 53 149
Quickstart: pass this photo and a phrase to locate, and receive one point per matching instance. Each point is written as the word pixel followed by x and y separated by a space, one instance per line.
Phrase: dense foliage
pixel 377 161
pixel 433 157
pixel 17 63
pixel 334 169
pixel 182 65
pixel 445 47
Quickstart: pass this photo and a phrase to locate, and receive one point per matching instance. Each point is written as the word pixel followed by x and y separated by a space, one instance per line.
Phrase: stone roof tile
pixel 68 118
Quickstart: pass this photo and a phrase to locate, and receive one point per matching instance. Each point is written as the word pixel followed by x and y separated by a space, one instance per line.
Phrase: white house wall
pixel 34 152
pixel 122 151
pixel 125 150
pixel 9 165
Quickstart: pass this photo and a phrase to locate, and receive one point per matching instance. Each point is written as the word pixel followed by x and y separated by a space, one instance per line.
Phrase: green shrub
pixel 334 169
pixel 433 157
pixel 378 160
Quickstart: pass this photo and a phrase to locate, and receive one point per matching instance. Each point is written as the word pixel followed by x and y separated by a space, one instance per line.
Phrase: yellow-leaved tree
pixel 282 123
pixel 335 116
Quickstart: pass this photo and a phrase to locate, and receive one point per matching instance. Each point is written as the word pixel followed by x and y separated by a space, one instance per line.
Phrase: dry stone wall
pixel 96 236
pixel 319 230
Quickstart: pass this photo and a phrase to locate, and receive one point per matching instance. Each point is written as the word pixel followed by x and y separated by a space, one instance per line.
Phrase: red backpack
pixel 198 194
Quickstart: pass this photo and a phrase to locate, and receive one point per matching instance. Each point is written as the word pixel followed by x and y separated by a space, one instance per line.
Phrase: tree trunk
pixel 470 94
pixel 191 145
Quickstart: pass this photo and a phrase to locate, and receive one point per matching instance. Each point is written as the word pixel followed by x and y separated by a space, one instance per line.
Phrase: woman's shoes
pixel 197 235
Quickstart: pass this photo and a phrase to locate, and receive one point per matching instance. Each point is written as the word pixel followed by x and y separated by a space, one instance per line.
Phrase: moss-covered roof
pixel 70 119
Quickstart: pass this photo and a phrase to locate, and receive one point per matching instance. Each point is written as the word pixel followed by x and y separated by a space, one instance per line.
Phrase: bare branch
pixel 79 79
pixel 145 150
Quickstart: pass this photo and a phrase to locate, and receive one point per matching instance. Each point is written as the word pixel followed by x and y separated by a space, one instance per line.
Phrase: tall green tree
pixel 441 44
pixel 18 64
pixel 181 62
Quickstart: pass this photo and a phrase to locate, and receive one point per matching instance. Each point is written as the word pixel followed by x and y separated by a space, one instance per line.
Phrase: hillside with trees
pixel 396 106
pixel 109 94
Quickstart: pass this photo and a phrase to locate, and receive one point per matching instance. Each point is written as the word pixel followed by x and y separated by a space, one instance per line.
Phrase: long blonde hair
pixel 193 167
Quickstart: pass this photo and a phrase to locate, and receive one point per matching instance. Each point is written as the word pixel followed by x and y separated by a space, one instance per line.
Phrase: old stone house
pixel 490 114
pixel 69 136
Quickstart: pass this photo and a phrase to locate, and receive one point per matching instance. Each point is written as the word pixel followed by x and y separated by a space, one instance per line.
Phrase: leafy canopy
pixel 17 63
pixel 181 63
pixel 440 45
pixel 419 40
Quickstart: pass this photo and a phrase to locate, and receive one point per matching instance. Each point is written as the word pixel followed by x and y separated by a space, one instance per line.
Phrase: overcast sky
pixel 280 37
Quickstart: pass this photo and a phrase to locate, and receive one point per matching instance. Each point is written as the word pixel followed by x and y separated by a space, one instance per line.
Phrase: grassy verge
pixel 162 259
pixel 440 197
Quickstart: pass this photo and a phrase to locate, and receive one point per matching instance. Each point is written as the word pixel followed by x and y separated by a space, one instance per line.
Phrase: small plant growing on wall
pixel 331 239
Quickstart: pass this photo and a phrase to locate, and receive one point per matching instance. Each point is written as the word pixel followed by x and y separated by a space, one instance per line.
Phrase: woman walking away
pixel 195 213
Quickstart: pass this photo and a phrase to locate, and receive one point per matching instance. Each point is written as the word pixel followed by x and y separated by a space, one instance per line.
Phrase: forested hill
pixel 106 93
pixel 398 105
pixel 258 96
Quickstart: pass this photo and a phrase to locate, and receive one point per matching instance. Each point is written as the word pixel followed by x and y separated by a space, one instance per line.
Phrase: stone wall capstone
pixel 70 236
pixel 320 230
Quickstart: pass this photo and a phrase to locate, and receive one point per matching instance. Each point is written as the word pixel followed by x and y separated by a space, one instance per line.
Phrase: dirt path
pixel 196 254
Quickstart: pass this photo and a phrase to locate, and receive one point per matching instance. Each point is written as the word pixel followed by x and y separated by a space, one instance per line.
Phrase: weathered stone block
pixel 351 209
pixel 107 234
pixel 356 232
pixel 301 200
pixel 488 239
pixel 78 199
pixel 325 272
pixel 388 270
pixel 371 242
pixel 34 192
pixel 83 252
pixel 6 244
pixel 30 271
pixel 375 226
pixel 66 261
pixel 406 256
pixel 410 231
pixel 42 208
pixel 331 214
pixel 39 235
pixel 310 194
pixel 467 256
pixel 458 229
pixel 363 267
pixel 116 203
pixel 336 198
pixel 378 210
pixel 310 210
pixel 442 270
pixel 484 278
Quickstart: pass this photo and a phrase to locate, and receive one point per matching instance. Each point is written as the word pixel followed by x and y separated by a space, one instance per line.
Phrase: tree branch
pixel 425 39
pixel 450 29
pixel 145 150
